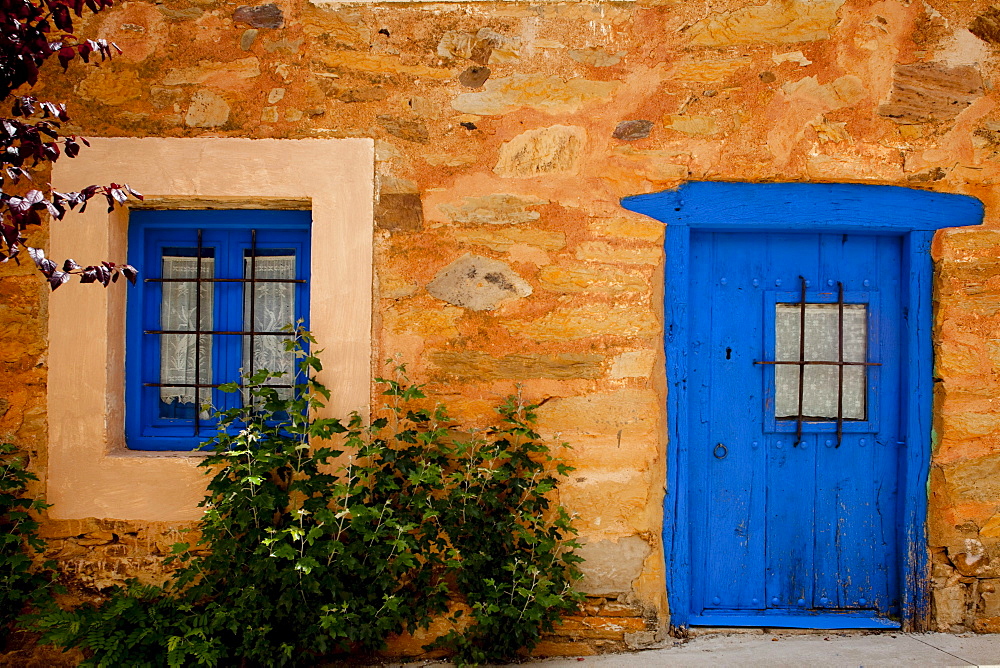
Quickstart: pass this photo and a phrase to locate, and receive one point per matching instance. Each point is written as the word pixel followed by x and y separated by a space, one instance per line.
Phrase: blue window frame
pixel 184 341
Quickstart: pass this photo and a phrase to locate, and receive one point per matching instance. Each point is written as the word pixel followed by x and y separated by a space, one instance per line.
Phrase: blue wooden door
pixel 793 494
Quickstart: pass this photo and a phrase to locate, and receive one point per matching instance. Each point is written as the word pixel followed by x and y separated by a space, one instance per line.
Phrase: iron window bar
pixel 239 332
pixel 197 342
pixel 840 366
pixel 225 280
pixel 203 385
pixel 253 293
pixel 199 332
pixel 802 362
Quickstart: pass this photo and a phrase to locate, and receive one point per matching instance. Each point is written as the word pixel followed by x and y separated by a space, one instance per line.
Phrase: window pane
pixel 178 352
pixel 273 310
pixel 819 397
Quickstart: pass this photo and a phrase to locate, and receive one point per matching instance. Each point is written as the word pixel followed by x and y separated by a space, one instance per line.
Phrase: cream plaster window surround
pixel 91 473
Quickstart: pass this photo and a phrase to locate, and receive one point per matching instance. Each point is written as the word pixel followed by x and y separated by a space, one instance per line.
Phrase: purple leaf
pixel 17 205
pixel 70 265
pixel 57 278
pixel 66 55
pixel 61 17
pixel 130 273
pixel 44 264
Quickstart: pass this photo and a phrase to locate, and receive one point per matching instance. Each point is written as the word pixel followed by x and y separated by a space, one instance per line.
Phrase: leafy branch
pixel 31 32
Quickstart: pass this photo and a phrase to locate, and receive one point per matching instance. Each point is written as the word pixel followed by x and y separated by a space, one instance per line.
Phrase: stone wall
pixel 506 134
pixel 965 474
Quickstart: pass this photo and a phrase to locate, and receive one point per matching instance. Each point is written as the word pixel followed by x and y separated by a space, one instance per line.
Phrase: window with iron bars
pixel 217 292
pixel 821 366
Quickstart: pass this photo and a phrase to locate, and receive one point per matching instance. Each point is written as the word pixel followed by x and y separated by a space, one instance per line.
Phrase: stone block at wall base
pixel 986 625
pixel 603 628
pixel 950 608
pixel 562 648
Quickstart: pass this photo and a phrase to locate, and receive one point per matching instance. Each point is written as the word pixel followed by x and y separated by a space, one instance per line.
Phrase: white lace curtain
pixel 178 310
pixel 274 309
pixel 819 396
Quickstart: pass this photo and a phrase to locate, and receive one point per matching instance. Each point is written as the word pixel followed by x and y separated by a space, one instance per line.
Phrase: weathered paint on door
pixel 787 533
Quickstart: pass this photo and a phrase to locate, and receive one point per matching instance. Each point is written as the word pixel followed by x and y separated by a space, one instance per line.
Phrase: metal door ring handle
pixel 720 447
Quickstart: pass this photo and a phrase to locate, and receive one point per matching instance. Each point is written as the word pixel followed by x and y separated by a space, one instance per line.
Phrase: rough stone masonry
pixel 506 134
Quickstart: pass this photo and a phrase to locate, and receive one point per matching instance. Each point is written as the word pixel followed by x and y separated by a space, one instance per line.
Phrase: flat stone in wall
pixel 777 21
pixel 925 92
pixel 552 150
pixel 494 209
pixel 610 566
pixel 476 365
pixel 478 283
pixel 207 110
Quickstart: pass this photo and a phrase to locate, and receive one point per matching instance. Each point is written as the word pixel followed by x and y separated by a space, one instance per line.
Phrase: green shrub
pixel 20 579
pixel 321 537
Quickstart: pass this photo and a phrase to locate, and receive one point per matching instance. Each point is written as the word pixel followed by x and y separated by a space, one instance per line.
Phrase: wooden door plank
pixel 735 480
pixel 790 466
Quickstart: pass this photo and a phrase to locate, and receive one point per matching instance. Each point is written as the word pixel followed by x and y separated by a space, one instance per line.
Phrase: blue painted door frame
pixel 912 217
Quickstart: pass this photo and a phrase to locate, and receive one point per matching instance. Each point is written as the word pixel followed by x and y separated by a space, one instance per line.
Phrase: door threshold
pixel 706 631
pixel 821 621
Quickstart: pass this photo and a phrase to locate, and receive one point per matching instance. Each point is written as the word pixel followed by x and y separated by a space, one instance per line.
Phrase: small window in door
pixel 833 357
pixel 827 355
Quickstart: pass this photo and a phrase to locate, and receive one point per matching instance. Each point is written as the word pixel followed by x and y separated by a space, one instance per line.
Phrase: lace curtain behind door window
pixel 274 309
pixel 820 386
pixel 178 310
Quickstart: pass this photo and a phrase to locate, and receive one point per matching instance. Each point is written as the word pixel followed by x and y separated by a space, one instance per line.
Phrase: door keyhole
pixel 729 353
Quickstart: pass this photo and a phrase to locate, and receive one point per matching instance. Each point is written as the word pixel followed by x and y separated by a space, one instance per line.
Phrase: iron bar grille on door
pixel 857 314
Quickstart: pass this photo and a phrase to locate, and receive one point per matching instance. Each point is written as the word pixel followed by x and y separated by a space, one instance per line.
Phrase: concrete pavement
pixel 789 648
pixel 781 648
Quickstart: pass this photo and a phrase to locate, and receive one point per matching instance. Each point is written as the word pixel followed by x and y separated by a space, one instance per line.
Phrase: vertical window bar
pixel 197 341
pixel 840 362
pixel 253 297
pixel 802 362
